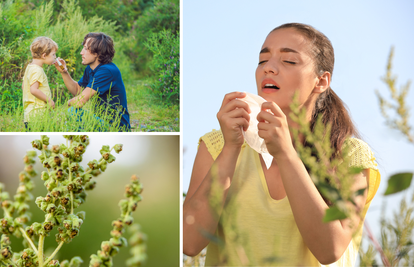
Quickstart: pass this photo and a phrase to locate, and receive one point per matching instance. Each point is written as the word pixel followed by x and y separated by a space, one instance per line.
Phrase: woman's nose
pixel 271 67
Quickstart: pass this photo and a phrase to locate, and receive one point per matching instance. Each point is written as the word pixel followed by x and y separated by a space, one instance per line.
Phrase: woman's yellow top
pixel 32 104
pixel 257 230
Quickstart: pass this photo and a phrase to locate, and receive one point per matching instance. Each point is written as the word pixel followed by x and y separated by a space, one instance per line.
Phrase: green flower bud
pixel 90 185
pixel 64 201
pixel 21 189
pixel 118 224
pixel 102 165
pixel 81 148
pixel 5 240
pixel 84 139
pixel 36 227
pixel 86 178
pixel 64 263
pixel 37 144
pixel 116 234
pixel 45 176
pixel 67 153
pixel 93 165
pixel 95 261
pixel 76 262
pixel 56 149
pixel 128 220
pixel 51 184
pixel 105 149
pixel 123 204
pixel 118 148
pixel 54 263
pixel 76 222
pixel 45 139
pixel 5 203
pixel 22 208
pixel 73 233
pixel 28 160
pixel 81 215
pixel 6 253
pixel 30 170
pixel 57 160
pixel 106 246
pixel 47 226
pixel 74 167
pixel 29 231
pixel 51 208
pixel 96 172
pixel 109 157
pixel 31 153
pixel 65 163
pixel 114 251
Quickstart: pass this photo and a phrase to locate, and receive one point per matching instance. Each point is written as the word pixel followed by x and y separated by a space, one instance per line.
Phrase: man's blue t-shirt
pixel 106 80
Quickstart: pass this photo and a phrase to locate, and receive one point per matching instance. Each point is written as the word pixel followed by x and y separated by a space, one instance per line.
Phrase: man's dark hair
pixel 102 45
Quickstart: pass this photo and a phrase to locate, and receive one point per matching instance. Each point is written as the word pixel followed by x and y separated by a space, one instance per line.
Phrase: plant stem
pixel 376 245
pixel 28 239
pixel 53 254
pixel 40 254
pixel 41 245
pixel 71 202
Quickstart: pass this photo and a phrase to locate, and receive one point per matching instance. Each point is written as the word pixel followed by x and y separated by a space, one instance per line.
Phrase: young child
pixel 36 90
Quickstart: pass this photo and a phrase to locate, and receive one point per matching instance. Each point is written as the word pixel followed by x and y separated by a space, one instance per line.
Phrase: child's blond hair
pixel 42 45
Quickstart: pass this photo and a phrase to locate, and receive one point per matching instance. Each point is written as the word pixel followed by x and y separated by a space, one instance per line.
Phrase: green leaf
pixel 398 182
pixel 334 213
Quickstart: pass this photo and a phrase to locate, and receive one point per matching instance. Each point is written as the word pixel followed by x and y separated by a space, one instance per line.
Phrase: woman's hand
pixel 234 117
pixel 59 68
pixel 274 130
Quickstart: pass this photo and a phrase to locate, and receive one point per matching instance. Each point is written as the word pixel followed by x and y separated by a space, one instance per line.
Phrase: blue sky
pixel 222 40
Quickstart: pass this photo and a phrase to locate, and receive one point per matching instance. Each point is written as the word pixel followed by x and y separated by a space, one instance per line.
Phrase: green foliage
pixel 11 96
pixel 330 173
pixel 398 182
pixel 165 47
pixel 396 237
pixel 163 15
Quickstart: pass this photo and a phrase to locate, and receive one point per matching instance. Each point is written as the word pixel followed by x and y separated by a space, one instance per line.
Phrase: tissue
pixel 251 136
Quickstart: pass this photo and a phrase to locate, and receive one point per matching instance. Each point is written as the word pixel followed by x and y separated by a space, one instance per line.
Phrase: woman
pixel 274 216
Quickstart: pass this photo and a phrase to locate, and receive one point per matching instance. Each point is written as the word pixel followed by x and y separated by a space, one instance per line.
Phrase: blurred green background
pixel 155 159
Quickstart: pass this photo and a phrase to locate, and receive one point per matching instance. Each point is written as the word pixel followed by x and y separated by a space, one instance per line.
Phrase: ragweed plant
pixel 399 107
pixel 66 181
pixel 395 247
pixel 329 172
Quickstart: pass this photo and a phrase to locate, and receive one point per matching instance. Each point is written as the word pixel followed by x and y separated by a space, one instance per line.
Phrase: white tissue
pixel 251 136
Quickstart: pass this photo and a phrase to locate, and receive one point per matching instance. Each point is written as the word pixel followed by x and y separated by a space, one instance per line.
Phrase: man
pixel 100 76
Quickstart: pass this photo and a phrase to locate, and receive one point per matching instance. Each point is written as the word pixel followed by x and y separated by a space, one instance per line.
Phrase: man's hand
pixel 81 99
pixel 62 67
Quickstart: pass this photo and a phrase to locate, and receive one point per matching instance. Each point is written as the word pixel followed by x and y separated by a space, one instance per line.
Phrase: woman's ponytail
pixel 334 111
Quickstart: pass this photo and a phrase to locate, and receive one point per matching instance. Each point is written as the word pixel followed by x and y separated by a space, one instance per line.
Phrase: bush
pixel 162 15
pixel 165 47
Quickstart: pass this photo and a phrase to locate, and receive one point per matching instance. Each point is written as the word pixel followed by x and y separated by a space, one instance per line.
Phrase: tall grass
pixel 90 118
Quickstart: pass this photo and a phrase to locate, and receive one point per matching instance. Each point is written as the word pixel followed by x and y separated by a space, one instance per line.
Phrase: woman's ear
pixel 323 83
